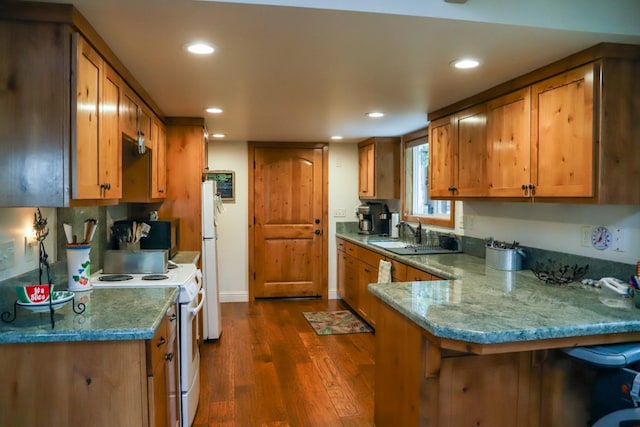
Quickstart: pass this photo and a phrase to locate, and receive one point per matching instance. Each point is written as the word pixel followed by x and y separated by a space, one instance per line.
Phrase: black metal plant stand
pixel 43 265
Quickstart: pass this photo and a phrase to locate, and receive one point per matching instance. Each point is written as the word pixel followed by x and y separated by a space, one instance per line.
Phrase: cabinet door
pixel 441 158
pixel 562 149
pixel 508 144
pixel 158 159
pixel 86 182
pixel 129 115
pixel 366 274
pixel 366 163
pixel 110 157
pixel 144 125
pixel 471 173
pixel 341 276
pixel 415 275
pixel 351 294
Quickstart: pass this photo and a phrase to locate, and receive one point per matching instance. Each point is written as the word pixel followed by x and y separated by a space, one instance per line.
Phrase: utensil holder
pixel 78 267
pixel 504 259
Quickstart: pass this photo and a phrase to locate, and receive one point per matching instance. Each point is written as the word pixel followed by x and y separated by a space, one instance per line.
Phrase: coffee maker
pixel 369 218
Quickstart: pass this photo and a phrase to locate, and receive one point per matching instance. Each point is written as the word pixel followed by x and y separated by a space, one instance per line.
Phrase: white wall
pixel 15 224
pixel 557 227
pixel 233 222
pixel 233 227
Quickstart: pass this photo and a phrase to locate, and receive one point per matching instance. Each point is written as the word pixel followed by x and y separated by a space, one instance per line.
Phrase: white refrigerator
pixel 212 323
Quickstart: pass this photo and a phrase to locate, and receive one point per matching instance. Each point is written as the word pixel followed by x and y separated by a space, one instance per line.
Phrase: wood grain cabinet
pixel 379 168
pixel 95 144
pixel 135 118
pixel 358 266
pixel 563 133
pixel 93 383
pixel 60 138
pixel 457 163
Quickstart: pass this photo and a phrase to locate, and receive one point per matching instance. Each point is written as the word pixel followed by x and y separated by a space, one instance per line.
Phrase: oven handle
pixel 195 310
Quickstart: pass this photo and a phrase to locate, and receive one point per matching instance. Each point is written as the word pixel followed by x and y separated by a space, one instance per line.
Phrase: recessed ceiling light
pixel 200 48
pixel 465 63
pixel 214 110
pixel 375 114
pixel 218 135
pixel 336 137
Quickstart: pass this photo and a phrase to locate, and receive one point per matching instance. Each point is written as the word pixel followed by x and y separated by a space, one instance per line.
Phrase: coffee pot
pixel 369 218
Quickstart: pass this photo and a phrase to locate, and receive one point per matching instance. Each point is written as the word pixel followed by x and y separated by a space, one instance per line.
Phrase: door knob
pixel 318 231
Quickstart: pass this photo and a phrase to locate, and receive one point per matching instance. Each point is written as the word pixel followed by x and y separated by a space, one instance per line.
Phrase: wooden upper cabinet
pixel 379 168
pixel 135 118
pixel 470 136
pixel 508 144
pixel 457 154
pixel 563 134
pixel 442 158
pixel 158 159
pixel 366 167
pixel 95 149
pixel 567 135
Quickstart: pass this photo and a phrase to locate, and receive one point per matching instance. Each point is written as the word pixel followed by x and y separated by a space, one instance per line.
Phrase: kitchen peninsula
pixel 104 367
pixel 481 348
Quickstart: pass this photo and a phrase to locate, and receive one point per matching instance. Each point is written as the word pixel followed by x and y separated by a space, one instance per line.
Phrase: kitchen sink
pixel 390 244
pixel 404 248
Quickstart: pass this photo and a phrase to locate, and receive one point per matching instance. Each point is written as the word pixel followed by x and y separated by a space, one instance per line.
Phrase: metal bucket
pixel 504 259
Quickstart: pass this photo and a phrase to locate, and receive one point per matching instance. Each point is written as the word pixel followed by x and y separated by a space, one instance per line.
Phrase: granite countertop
pixel 111 314
pixel 486 306
pixel 186 257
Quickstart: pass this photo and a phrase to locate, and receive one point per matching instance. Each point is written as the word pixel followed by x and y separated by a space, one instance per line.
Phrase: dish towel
pixel 384 272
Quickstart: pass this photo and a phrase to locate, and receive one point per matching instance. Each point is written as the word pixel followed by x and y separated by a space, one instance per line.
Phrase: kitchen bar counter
pixel 481 348
pixel 485 306
pixel 111 314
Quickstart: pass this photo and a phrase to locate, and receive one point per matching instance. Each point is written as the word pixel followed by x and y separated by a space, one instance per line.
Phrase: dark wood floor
pixel 269 368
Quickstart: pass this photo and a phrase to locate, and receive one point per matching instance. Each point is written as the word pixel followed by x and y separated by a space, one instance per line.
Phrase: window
pixel 416 203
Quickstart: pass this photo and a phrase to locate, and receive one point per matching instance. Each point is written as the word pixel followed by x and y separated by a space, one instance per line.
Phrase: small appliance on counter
pixel 369 218
pixel 385 221
pixel 163 234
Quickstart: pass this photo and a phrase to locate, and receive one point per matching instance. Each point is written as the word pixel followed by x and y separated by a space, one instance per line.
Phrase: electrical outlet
pixel 619 240
pixel 585 236
pixel 340 213
pixel 7 255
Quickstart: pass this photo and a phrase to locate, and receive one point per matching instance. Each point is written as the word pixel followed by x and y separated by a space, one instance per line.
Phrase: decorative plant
pixel 42 231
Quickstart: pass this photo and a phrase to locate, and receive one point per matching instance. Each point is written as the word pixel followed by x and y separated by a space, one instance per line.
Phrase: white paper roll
pixel 395 220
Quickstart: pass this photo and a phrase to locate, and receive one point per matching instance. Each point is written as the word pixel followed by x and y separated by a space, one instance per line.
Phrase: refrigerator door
pixel 208 209
pixel 212 315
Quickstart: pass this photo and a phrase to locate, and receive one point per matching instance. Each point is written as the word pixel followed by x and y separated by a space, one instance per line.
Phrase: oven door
pixel 190 356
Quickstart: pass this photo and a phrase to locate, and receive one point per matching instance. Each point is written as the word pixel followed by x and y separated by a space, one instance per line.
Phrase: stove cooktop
pixel 176 276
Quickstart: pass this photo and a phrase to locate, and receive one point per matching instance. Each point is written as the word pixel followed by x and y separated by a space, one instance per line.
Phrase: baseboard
pixel 244 296
pixel 234 297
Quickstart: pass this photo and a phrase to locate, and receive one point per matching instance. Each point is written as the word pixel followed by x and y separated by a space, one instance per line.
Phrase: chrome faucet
pixel 416 232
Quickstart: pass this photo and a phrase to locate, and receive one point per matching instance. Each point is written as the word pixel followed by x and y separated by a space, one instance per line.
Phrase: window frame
pixel 409 140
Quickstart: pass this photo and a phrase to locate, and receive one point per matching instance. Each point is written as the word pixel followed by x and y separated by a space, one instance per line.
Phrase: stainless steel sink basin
pixel 404 248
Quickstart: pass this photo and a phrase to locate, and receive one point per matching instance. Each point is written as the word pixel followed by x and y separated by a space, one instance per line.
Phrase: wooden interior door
pixel 289 222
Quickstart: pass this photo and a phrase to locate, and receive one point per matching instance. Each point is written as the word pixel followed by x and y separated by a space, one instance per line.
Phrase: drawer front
pixel 157 347
pixel 351 249
pixel 369 257
pixel 398 270
pixel 340 245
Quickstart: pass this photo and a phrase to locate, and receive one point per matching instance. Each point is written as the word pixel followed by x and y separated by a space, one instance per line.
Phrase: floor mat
pixel 335 322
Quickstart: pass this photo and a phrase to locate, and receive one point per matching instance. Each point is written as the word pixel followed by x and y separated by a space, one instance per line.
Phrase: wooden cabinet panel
pixel 470 175
pixel 341 274
pixel 398 271
pixel 563 134
pixel 442 158
pixel 415 275
pixel 158 159
pixel 95 149
pixel 366 165
pixel 366 274
pixel 508 144
pixel 379 168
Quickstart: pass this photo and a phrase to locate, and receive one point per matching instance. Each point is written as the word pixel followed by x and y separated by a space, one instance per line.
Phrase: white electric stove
pixel 190 303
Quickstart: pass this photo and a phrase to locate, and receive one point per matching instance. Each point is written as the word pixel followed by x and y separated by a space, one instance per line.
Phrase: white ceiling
pixel 284 73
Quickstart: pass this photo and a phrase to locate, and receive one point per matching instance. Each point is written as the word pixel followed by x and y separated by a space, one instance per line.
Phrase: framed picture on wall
pixel 226 184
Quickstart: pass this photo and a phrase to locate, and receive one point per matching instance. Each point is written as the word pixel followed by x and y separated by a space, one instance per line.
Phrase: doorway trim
pixel 325 207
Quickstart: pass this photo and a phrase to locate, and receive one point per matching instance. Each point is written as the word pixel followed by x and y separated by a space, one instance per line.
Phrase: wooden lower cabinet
pixel 357 267
pixel 418 382
pixel 87 383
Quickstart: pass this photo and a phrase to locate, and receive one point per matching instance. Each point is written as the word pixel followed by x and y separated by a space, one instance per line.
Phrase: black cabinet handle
pixel 162 341
pixel 169 357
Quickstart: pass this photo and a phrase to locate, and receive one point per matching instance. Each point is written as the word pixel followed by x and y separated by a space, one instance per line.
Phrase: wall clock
pixel 601 238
